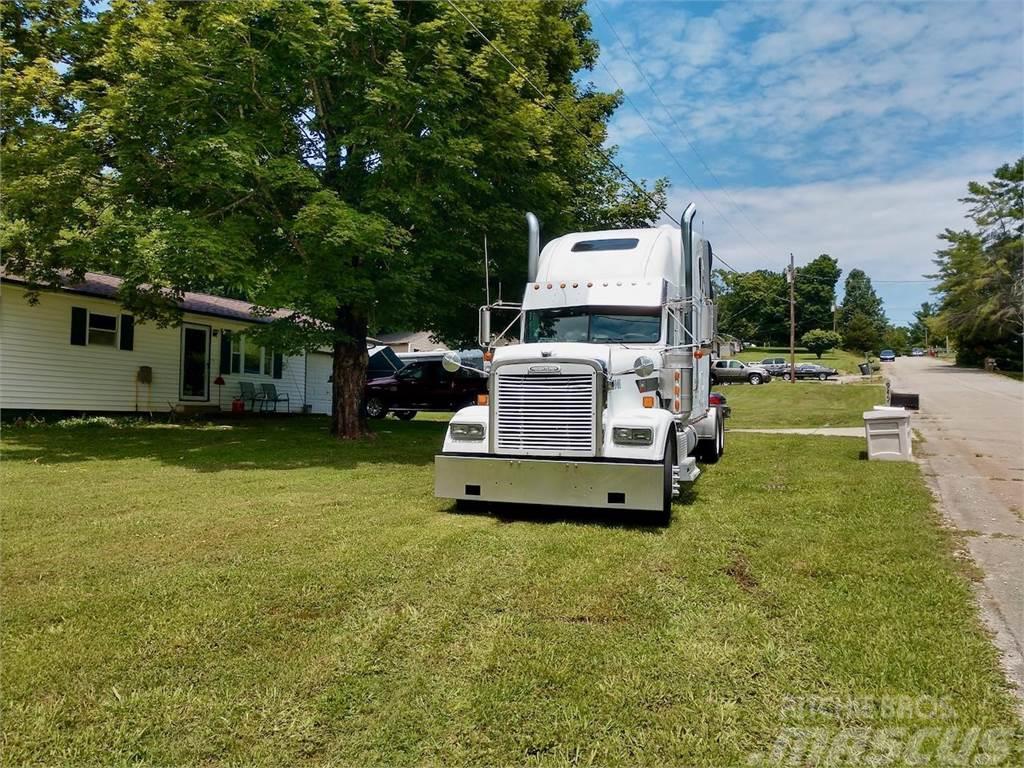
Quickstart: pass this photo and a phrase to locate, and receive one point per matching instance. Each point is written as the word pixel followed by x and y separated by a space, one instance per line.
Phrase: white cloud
pixel 886 228
pixel 881 77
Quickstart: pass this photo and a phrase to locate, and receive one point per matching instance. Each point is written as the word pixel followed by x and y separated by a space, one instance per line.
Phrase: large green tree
pixel 861 307
pixel 980 272
pixel 753 305
pixel 340 159
pixel 816 293
pixel 920 330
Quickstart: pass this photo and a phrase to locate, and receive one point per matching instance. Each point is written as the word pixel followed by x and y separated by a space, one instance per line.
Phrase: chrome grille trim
pixel 546 414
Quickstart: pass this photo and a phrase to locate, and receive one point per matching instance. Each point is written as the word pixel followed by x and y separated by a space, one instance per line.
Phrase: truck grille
pixel 545 413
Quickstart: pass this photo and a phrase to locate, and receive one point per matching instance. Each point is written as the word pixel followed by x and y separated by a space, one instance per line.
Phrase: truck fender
pixel 663 423
pixel 472 414
pixel 707 428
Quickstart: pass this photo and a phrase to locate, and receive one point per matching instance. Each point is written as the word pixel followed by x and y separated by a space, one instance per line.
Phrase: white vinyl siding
pixel 41 370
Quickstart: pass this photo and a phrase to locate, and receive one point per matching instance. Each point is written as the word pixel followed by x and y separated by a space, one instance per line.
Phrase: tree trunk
pixel 349 374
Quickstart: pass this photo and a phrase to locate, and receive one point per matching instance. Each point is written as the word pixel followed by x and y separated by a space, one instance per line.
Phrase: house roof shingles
pixel 107 286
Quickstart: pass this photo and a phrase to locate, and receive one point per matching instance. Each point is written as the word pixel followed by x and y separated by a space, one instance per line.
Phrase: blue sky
pixel 828 127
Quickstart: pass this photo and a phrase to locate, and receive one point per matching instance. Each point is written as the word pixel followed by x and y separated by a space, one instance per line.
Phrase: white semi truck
pixel 604 403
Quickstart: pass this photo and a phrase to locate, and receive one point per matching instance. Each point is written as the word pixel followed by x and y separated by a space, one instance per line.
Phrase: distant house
pixel 410 341
pixel 79 350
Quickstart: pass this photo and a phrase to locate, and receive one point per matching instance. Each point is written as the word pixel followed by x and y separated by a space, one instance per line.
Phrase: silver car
pixel 735 371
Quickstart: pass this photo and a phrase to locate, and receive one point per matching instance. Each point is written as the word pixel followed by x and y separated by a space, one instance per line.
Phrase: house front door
pixel 195 362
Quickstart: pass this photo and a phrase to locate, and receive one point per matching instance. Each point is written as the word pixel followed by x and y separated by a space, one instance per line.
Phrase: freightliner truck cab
pixel 604 403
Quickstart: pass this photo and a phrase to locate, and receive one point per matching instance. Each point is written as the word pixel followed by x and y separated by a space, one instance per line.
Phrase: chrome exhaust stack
pixel 533 248
pixel 686 281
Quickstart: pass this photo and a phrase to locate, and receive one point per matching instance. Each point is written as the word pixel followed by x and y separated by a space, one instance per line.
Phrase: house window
pixel 249 358
pixel 102 329
pixel 93 328
pixel 252 358
pixel 236 353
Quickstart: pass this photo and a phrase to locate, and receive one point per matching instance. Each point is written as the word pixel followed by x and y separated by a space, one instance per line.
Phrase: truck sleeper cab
pixel 605 403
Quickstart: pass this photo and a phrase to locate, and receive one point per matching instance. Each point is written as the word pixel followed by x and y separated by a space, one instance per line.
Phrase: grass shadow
pixel 271 444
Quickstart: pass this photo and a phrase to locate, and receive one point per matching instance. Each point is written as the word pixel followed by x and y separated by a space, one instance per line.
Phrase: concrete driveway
pixel 973 424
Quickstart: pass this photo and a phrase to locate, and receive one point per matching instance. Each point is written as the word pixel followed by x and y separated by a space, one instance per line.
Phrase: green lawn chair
pixel 270 395
pixel 248 392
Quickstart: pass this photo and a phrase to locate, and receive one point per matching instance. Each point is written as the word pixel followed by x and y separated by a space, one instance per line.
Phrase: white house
pixel 79 350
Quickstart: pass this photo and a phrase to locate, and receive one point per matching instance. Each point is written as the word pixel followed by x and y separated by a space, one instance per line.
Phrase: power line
pixel 607 158
pixel 672 155
pixel 671 117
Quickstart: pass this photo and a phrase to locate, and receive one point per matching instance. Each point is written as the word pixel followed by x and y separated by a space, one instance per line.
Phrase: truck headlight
pixel 633 435
pixel 466 431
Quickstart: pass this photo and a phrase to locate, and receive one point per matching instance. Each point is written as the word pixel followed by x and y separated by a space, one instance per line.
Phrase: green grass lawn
pixel 800 404
pixel 841 360
pixel 262 594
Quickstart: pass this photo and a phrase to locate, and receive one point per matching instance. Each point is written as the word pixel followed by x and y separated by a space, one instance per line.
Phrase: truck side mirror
pixel 643 366
pixel 484 327
pixel 451 361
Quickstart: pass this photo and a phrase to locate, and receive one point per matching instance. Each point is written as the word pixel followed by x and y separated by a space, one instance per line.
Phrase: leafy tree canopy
pixel 816 293
pixel 860 302
pixel 820 341
pixel 340 159
pixel 981 282
pixel 861 334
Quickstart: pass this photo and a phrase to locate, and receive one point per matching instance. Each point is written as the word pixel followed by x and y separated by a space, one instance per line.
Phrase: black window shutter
pixel 128 332
pixel 79 321
pixel 225 352
pixel 278 364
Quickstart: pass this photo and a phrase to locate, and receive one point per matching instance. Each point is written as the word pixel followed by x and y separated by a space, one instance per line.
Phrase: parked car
pixel 423 385
pixel 733 370
pixel 887 356
pixel 917 352
pixel 812 371
pixel 776 366
pixel 717 398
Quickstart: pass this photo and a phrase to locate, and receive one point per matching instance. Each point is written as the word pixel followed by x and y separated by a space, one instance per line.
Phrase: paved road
pixel 973 424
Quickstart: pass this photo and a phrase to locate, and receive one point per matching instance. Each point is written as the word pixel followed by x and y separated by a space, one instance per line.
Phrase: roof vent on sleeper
pixel 608 244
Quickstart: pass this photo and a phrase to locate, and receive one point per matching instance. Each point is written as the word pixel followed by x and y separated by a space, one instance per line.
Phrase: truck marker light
pixel 563 285
pixel 488 356
pixel 536 286
pixel 675 390
pixel 575 285
pixel 677 376
pixel 698 354
pixel 590 285
pixel 549 285
pixel 675 405
pixel 482 399
pixel 648 401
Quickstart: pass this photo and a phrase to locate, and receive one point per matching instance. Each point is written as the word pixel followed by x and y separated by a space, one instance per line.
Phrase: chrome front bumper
pixel 556 482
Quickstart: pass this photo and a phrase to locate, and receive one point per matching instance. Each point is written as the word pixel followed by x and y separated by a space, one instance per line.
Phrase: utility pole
pixel 792 321
pixel 835 308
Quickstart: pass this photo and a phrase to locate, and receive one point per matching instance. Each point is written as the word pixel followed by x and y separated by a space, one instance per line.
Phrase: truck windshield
pixel 599 326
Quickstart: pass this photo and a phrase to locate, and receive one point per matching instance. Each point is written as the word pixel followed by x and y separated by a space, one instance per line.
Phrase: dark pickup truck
pixel 423 385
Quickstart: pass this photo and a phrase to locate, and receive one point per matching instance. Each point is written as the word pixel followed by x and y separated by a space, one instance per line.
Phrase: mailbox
pixel 888 434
